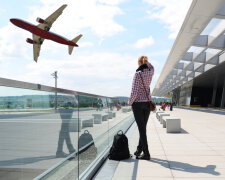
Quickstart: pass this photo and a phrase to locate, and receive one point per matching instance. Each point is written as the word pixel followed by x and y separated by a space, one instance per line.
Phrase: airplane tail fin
pixel 75 41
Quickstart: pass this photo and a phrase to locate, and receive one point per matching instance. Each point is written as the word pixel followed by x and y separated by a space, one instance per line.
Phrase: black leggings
pixel 141 112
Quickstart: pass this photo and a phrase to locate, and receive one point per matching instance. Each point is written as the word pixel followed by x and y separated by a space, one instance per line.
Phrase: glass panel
pixel 122 117
pixel 185 94
pixel 48 135
pixel 32 131
pixel 67 138
pixel 219 28
pixel 211 26
pixel 93 138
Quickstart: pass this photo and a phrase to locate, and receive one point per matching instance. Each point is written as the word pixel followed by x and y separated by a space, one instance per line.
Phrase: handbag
pixel 152 104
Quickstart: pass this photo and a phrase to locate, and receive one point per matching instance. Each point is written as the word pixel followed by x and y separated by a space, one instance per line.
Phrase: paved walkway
pixel 198 153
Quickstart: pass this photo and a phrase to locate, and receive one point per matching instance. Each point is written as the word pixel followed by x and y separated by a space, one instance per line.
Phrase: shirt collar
pixel 142 67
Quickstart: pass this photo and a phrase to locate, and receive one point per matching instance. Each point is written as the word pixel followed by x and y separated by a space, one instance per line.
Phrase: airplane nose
pixel 13 21
pixel 16 22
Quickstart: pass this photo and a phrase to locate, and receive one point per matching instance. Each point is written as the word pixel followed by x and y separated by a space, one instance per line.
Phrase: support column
pixel 223 96
pixel 214 91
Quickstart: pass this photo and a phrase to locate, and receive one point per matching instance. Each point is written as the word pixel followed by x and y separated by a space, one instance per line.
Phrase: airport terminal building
pixel 195 68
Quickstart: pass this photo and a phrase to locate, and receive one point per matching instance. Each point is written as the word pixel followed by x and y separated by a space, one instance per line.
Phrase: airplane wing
pixel 37 46
pixel 51 19
pixel 45 26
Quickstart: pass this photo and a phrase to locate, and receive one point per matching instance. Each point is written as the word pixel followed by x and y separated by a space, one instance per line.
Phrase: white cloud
pixel 142 43
pixel 79 15
pixel 171 12
pixel 111 2
pixel 97 73
pixel 95 65
pixel 103 73
pixel 12 42
pixel 85 44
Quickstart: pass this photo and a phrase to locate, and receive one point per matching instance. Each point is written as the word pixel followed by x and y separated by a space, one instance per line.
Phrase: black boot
pixel 138 152
pixel 144 157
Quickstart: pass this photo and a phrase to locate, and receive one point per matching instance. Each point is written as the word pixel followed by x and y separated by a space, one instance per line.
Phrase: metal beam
pixel 192 74
pixel 188 56
pixel 190 67
pixel 174 72
pixel 177 78
pixel 202 40
pixel 219 43
pixel 201 58
pixel 201 68
pixel 205 40
pixel 197 65
pixel 214 60
pixel 209 66
pixel 179 65
pixel 197 74
pixel 221 13
pixel 183 73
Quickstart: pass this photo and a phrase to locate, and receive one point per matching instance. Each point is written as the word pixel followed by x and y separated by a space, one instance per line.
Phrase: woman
pixel 140 104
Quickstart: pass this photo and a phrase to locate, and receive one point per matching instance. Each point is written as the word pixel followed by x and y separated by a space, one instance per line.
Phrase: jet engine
pixel 42 21
pixel 30 41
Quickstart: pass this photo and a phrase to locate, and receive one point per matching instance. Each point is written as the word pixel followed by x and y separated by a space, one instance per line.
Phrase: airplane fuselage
pixel 42 33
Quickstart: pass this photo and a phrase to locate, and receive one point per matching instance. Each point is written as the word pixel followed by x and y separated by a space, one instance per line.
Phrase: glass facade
pixel 176 96
pixel 48 135
pixel 185 94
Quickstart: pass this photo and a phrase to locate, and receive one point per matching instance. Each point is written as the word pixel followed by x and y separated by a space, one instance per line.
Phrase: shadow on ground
pixel 23 161
pixel 181 132
pixel 180 166
pixel 175 165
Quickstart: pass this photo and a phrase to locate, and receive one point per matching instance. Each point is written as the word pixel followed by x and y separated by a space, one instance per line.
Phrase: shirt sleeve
pixel 134 90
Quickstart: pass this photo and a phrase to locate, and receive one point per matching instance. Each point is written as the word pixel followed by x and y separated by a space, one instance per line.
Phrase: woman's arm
pixel 134 90
pixel 150 66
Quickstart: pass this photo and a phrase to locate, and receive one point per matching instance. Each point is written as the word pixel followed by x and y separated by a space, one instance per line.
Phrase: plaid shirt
pixel 138 93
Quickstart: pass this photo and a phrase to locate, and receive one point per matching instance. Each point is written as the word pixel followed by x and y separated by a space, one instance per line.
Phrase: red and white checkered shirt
pixel 137 92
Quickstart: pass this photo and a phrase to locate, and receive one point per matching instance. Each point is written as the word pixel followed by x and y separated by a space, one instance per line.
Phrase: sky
pixel 115 34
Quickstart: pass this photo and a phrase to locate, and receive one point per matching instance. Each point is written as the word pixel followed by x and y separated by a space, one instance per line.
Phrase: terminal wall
pixel 206 90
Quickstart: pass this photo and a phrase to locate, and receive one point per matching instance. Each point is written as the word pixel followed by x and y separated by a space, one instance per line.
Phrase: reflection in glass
pixel 66 107
pixel 39 140
pixel 66 116
pixel 24 99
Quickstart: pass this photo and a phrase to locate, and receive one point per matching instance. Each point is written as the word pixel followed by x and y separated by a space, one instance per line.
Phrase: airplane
pixel 41 32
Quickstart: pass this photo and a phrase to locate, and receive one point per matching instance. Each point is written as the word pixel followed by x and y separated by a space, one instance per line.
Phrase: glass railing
pixel 49 133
